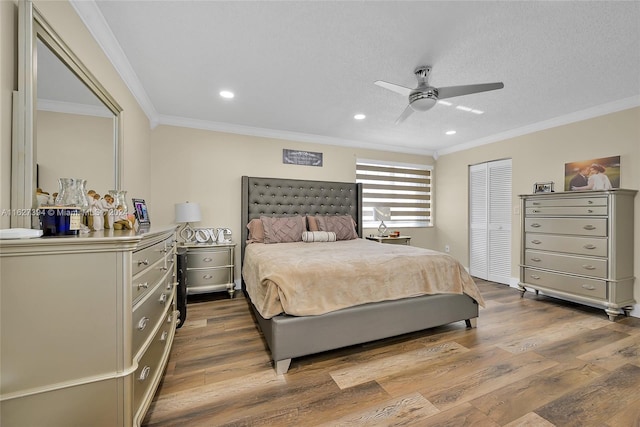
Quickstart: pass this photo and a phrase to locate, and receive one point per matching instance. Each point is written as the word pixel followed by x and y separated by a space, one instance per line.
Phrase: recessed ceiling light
pixel 359 116
pixel 447 103
pixel 226 94
pixel 477 112
pixel 450 132
pixel 463 108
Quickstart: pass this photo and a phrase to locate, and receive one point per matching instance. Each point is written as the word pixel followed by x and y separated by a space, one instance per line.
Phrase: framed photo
pixel 141 212
pixel 543 187
pixel 593 174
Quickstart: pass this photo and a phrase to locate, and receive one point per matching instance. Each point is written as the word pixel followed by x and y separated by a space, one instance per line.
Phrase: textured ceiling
pixel 302 69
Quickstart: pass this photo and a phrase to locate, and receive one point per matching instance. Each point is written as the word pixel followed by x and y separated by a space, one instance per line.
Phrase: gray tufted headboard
pixel 276 196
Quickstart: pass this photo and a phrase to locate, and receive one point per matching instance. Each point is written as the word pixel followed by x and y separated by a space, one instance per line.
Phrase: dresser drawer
pixel 578 226
pixel 566 201
pixel 150 364
pixel 146 280
pixel 148 256
pixel 215 257
pixel 567 284
pixel 587 266
pixel 567 211
pixel 593 246
pixel 148 312
pixel 209 276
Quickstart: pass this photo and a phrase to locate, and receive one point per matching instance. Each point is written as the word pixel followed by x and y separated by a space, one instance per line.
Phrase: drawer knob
pixel 143 323
pixel 535 276
pixel 589 202
pixel 588 287
pixel 207 276
pixel 536 225
pixel 535 203
pixel 170 319
pixel 144 374
pixel 590 210
pixel 535 211
pixel 536 242
pixel 163 298
pixel 536 259
pixel 588 267
pixel 589 246
pixel 207 259
pixel 144 285
pixel 143 262
pixel 589 227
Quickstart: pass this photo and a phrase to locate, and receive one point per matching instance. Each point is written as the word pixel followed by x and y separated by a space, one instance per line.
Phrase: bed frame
pixel 292 336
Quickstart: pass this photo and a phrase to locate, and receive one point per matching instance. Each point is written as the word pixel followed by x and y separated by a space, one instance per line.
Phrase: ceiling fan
pixel 423 97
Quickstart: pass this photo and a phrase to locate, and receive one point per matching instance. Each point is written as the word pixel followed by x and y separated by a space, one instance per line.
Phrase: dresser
pixel 209 267
pixel 87 324
pixel 579 246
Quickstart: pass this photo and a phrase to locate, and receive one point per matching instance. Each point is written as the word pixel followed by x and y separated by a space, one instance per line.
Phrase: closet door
pixel 490 221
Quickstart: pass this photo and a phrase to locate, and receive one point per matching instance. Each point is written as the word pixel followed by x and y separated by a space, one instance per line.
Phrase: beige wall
pixel 206 167
pixel 63 18
pixel 75 146
pixel 537 157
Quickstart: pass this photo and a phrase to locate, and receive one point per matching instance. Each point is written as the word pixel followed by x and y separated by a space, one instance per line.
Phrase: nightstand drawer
pixel 209 276
pixel 567 284
pixel 577 226
pixel 593 246
pixel 587 266
pixel 210 258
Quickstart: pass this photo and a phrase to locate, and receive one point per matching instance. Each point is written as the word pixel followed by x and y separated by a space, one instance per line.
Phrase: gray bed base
pixel 292 336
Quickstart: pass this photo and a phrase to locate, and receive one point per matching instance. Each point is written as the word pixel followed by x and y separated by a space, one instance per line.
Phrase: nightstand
pixel 209 267
pixel 400 240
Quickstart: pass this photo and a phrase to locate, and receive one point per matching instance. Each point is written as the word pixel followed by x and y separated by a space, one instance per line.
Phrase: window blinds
pixel 405 189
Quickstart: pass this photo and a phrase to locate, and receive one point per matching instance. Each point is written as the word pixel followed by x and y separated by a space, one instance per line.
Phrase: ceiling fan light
pixel 423 104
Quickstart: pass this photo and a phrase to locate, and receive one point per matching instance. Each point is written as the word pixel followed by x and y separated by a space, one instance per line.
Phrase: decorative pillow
pixel 318 236
pixel 284 229
pixel 256 231
pixel 312 223
pixel 342 225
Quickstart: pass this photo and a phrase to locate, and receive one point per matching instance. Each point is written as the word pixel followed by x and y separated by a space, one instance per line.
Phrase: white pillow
pixel 318 236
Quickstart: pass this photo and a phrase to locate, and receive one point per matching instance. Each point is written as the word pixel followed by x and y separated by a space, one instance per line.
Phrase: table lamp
pixel 186 213
pixel 382 214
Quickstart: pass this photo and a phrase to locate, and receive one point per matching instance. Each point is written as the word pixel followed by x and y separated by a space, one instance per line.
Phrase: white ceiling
pixel 301 69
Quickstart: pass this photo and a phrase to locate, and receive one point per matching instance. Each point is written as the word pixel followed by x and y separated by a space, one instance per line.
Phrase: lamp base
pixel 382 230
pixel 187 234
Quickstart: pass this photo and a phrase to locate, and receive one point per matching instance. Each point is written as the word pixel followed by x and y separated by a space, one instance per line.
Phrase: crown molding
pixel 589 113
pixel 285 135
pixel 93 19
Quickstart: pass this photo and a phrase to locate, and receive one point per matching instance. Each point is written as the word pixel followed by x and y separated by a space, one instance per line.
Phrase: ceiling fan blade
pixel 406 113
pixel 394 87
pixel 451 91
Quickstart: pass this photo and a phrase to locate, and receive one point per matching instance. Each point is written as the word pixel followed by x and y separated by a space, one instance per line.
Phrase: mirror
pixel 66 125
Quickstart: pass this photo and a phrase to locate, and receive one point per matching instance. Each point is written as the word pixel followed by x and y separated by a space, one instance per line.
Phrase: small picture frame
pixel 543 187
pixel 141 212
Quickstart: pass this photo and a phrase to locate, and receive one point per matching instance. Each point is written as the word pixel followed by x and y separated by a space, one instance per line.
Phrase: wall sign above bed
pixel 297 157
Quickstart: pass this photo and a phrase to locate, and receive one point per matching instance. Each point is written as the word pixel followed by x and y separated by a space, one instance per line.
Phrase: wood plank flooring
pixel 535 361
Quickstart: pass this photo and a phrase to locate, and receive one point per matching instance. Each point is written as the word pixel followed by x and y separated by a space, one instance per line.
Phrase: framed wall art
pixel 594 174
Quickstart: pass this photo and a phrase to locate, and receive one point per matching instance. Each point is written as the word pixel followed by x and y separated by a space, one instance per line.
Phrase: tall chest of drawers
pixel 579 246
pixel 87 324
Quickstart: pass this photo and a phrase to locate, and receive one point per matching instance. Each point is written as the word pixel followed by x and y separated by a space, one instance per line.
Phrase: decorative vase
pixel 72 193
pixel 119 199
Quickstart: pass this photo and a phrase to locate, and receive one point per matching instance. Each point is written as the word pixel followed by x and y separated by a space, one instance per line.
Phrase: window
pixel 404 188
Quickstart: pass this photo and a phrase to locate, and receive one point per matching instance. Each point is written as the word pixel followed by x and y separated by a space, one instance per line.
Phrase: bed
pixel 294 335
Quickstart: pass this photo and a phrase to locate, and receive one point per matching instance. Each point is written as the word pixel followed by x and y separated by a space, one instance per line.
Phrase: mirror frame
pixel 31 27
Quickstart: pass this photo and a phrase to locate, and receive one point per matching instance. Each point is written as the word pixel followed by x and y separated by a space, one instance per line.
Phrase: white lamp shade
pixel 188 212
pixel 382 213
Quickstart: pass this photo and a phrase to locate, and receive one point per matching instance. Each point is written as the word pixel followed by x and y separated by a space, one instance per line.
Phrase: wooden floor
pixel 531 362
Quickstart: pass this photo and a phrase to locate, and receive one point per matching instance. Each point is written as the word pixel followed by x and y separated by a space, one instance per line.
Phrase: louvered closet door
pixel 490 221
